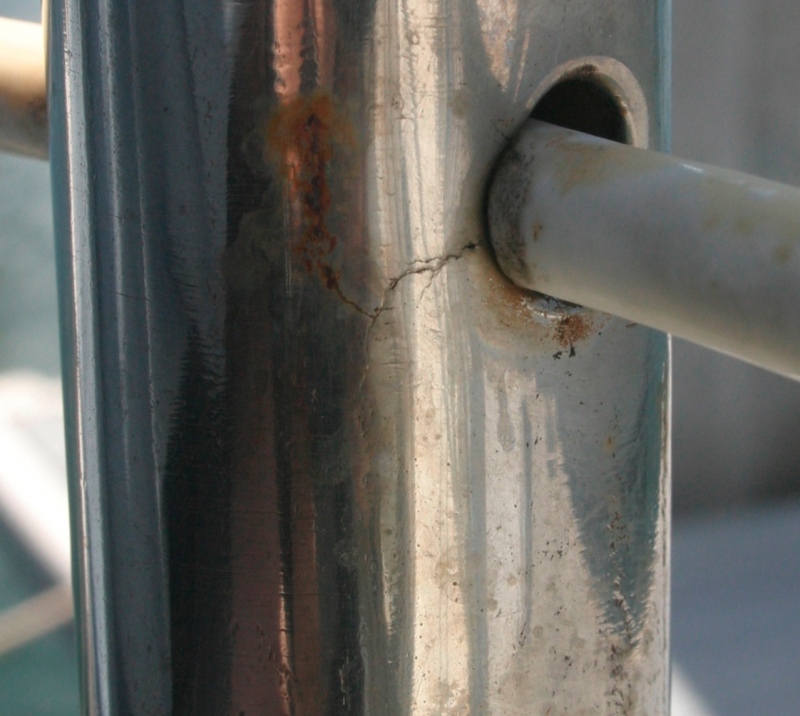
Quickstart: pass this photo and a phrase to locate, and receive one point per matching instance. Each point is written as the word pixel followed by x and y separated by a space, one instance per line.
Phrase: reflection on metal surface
pixel 326 459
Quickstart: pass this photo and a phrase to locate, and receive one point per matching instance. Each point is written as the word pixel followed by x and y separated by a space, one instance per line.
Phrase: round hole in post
pixel 584 104
pixel 597 95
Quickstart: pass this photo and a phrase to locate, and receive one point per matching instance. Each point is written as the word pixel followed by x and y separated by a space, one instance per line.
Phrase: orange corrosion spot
pixel 572 329
pixel 303 136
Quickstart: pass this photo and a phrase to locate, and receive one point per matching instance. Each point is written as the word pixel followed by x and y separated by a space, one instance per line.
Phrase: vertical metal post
pixel 324 457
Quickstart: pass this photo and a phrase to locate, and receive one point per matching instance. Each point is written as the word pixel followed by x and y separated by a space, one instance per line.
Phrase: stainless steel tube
pixel 704 253
pixel 324 457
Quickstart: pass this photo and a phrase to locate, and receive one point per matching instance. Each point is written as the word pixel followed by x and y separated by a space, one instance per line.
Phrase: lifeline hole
pixel 583 105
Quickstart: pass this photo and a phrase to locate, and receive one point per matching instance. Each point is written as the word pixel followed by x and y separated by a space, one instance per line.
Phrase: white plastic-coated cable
pixel 704 253
pixel 23 92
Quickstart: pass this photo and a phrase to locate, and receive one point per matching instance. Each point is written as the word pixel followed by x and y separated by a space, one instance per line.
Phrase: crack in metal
pixel 432 265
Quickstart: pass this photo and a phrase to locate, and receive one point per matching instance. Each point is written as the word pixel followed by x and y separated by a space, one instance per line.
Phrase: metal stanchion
pixel 324 457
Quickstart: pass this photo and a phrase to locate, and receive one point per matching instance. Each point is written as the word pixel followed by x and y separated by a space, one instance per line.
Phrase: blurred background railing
pixel 736 105
pixel 736 452
pixel 38 676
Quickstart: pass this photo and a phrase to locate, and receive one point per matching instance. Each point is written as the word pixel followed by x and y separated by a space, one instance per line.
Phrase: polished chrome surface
pixel 690 249
pixel 325 458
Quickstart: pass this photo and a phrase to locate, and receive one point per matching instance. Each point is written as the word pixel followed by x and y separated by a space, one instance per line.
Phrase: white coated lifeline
pixel 707 254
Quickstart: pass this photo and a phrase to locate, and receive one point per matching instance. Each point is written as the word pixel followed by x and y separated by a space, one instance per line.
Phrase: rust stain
pixel 571 329
pixel 507 301
pixel 782 254
pixel 537 229
pixel 303 137
pixel 584 72
pixel 745 225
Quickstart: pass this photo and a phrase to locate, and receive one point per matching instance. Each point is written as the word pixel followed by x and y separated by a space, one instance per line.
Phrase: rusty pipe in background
pixel 23 95
pixel 703 253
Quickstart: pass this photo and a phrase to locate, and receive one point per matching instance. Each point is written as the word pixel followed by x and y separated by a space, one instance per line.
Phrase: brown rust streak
pixel 303 136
